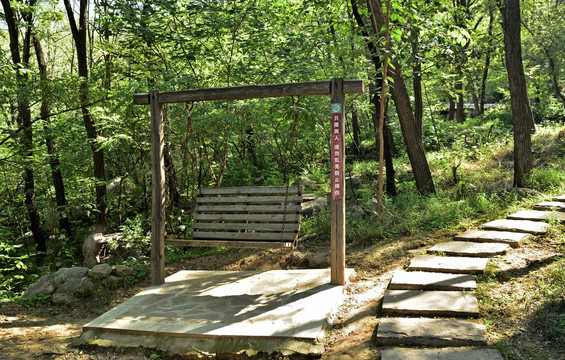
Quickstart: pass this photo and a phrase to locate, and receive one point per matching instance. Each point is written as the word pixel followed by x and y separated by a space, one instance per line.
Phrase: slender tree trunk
pixel 92 132
pixel 521 110
pixel 460 111
pixel 417 79
pixel 389 141
pixel 412 137
pixel 451 110
pixel 56 175
pixel 356 131
pixel 23 118
pixel 482 93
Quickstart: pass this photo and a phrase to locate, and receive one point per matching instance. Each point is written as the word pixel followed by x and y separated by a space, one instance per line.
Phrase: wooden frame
pixel 337 88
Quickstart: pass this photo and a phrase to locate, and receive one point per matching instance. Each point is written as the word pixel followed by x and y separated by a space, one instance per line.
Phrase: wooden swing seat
pixel 246 217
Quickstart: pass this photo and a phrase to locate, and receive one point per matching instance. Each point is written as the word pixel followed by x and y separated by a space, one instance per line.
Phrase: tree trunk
pixel 56 175
pixel 521 110
pixel 92 132
pixel 451 110
pixel 23 119
pixel 410 131
pixel 356 131
pixel 171 176
pixel 482 93
pixel 388 149
pixel 417 79
pixel 460 111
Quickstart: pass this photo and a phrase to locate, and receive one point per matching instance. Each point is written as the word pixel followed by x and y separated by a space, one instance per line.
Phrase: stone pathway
pixel 421 303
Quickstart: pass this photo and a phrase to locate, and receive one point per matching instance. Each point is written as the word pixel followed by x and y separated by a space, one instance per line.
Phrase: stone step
pixel 559 198
pixel 472 249
pixel 430 303
pixel 538 215
pixel 448 264
pixel 550 205
pixel 523 226
pixel 504 237
pixel 440 354
pixel 418 280
pixel 430 332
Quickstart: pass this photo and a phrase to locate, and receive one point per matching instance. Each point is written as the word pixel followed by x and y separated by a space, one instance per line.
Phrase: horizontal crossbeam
pixel 309 88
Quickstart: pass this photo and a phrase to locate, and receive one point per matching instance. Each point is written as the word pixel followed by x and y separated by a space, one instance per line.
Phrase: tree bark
pixel 521 110
pixel 482 93
pixel 417 79
pixel 460 110
pixel 412 137
pixel 389 141
pixel 92 132
pixel 24 119
pixel 54 163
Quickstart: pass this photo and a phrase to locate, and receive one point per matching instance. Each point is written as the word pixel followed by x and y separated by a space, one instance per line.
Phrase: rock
pixel 355 212
pixel 318 260
pixel 430 303
pixel 297 258
pixel 311 207
pixel 92 246
pixel 112 281
pixel 82 286
pixel 63 299
pixel 306 181
pixel 64 274
pixel 45 286
pixel 100 271
pixel 123 271
pixel 353 181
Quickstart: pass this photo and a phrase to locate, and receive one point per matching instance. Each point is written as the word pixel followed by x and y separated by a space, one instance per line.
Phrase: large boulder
pixel 100 271
pixel 313 203
pixel 123 271
pixel 44 286
pixel 66 293
pixel 63 274
pixel 355 212
pixel 94 245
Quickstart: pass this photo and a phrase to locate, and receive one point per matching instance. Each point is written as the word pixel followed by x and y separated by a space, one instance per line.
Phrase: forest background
pixel 74 150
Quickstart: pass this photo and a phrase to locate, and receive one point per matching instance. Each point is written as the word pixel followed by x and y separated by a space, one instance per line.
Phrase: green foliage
pixel 14 266
pixel 34 300
pixel 548 179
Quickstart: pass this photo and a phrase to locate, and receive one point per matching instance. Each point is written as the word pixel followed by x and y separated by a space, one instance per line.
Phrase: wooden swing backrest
pixel 246 217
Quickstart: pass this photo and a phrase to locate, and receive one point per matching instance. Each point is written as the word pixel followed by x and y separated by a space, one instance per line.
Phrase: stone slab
pixel 472 249
pixel 419 280
pixel 430 332
pixel 550 205
pixel 440 354
pixel 524 226
pixel 538 215
pixel 448 264
pixel 430 303
pixel 559 198
pixel 504 237
pixel 291 304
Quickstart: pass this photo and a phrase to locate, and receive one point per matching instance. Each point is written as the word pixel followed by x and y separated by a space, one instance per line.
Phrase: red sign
pixel 337 155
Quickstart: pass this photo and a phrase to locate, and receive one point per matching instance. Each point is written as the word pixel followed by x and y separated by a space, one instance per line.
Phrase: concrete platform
pixel 420 280
pixel 448 264
pixel 550 205
pixel 440 354
pixel 430 332
pixel 538 215
pixel 523 226
pixel 471 249
pixel 504 237
pixel 219 311
pixel 430 303
pixel 559 198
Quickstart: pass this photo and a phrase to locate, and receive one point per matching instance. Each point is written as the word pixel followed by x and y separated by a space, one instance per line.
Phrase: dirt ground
pixel 48 331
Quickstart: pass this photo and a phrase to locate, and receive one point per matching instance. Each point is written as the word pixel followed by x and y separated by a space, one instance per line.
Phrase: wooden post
pixel 338 183
pixel 158 191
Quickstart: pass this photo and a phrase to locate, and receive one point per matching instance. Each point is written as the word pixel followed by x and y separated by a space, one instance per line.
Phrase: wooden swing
pixel 245 216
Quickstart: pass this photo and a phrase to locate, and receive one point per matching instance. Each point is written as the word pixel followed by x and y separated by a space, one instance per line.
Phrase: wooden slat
pixel 246 226
pixel 249 208
pixel 309 88
pixel 248 217
pixel 234 244
pixel 202 235
pixel 252 190
pixel 249 200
